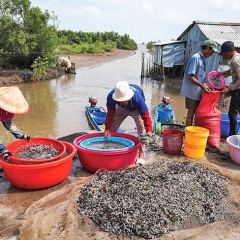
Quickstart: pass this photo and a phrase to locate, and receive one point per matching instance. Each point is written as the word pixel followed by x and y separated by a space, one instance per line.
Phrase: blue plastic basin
pixel 225 125
pixel 123 141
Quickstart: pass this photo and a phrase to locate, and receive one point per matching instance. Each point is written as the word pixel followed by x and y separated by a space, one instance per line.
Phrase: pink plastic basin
pixel 219 76
pixel 114 160
pixel 39 176
pixel 234 148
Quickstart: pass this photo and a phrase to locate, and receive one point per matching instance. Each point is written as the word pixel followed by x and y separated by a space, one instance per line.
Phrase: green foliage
pixel 97 47
pixel 91 48
pixel 39 67
pixel 25 33
pixel 92 42
pixel 150 45
pixel 110 45
pixel 126 43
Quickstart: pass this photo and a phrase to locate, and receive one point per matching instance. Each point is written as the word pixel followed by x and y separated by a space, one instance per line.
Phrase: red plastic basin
pixel 40 176
pixel 20 145
pixel 114 160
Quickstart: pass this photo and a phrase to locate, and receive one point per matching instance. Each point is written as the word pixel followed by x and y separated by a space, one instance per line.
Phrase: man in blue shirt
pixel 123 101
pixel 193 81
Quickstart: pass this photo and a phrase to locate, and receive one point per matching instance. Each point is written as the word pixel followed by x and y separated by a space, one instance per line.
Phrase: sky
pixel 142 20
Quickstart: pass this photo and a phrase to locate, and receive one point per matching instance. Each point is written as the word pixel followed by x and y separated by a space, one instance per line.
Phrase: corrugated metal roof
pixel 220 32
pixel 167 43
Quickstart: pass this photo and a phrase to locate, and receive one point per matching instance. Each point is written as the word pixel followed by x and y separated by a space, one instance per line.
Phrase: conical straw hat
pixel 12 100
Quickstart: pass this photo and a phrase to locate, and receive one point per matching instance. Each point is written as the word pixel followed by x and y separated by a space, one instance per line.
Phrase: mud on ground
pixel 52 213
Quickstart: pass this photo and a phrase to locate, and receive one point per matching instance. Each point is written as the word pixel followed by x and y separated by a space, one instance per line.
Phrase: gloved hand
pixel 5 154
pixel 25 136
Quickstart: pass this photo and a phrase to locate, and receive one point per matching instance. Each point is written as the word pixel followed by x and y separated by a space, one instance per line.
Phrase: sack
pixel 208 115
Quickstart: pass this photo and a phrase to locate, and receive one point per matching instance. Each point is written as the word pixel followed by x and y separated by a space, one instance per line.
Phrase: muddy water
pixel 57 106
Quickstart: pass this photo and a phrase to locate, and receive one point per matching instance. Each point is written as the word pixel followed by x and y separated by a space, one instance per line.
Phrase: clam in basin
pixel 103 144
pixel 15 147
pixel 39 176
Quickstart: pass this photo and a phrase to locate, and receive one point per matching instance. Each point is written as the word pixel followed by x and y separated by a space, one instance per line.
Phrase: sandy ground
pixel 84 60
pixel 52 213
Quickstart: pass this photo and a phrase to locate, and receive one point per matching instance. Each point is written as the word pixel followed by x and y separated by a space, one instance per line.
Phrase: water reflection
pixel 57 107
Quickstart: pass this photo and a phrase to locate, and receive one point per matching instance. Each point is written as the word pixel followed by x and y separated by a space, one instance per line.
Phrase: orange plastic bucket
pixel 172 141
pixel 195 141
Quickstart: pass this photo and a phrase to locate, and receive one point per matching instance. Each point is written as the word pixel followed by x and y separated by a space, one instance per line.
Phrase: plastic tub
pixel 225 125
pixel 40 176
pixel 19 145
pixel 126 143
pixel 166 114
pixel 195 141
pixel 113 160
pixel 234 148
pixel 172 141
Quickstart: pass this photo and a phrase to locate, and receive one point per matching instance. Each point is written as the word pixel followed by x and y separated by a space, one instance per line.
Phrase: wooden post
pixel 142 71
pixel 147 72
pixel 149 65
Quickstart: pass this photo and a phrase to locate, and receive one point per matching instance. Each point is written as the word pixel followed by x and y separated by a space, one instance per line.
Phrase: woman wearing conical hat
pixel 12 102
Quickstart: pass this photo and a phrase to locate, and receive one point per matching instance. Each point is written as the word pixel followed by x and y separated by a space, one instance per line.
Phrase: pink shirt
pixel 5 116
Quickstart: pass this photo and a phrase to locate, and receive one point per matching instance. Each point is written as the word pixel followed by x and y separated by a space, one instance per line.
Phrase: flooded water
pixel 57 107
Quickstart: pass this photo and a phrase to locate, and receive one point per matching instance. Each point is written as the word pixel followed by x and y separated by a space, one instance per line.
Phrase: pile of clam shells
pixel 151 200
pixel 148 138
pixel 151 140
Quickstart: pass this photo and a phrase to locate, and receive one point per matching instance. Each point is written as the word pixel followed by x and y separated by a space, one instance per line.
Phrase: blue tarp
pixel 173 55
pixel 169 55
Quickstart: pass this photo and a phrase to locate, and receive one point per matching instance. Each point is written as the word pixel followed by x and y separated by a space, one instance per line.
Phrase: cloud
pixel 92 11
pixel 143 20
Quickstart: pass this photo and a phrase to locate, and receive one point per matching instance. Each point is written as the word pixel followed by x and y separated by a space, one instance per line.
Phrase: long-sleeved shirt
pixel 6 119
pixel 137 102
pixel 234 71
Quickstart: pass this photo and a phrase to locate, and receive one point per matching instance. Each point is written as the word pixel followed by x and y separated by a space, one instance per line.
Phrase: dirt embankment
pixel 10 77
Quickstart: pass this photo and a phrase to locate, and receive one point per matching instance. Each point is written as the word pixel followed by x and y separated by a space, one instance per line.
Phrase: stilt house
pixel 175 54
